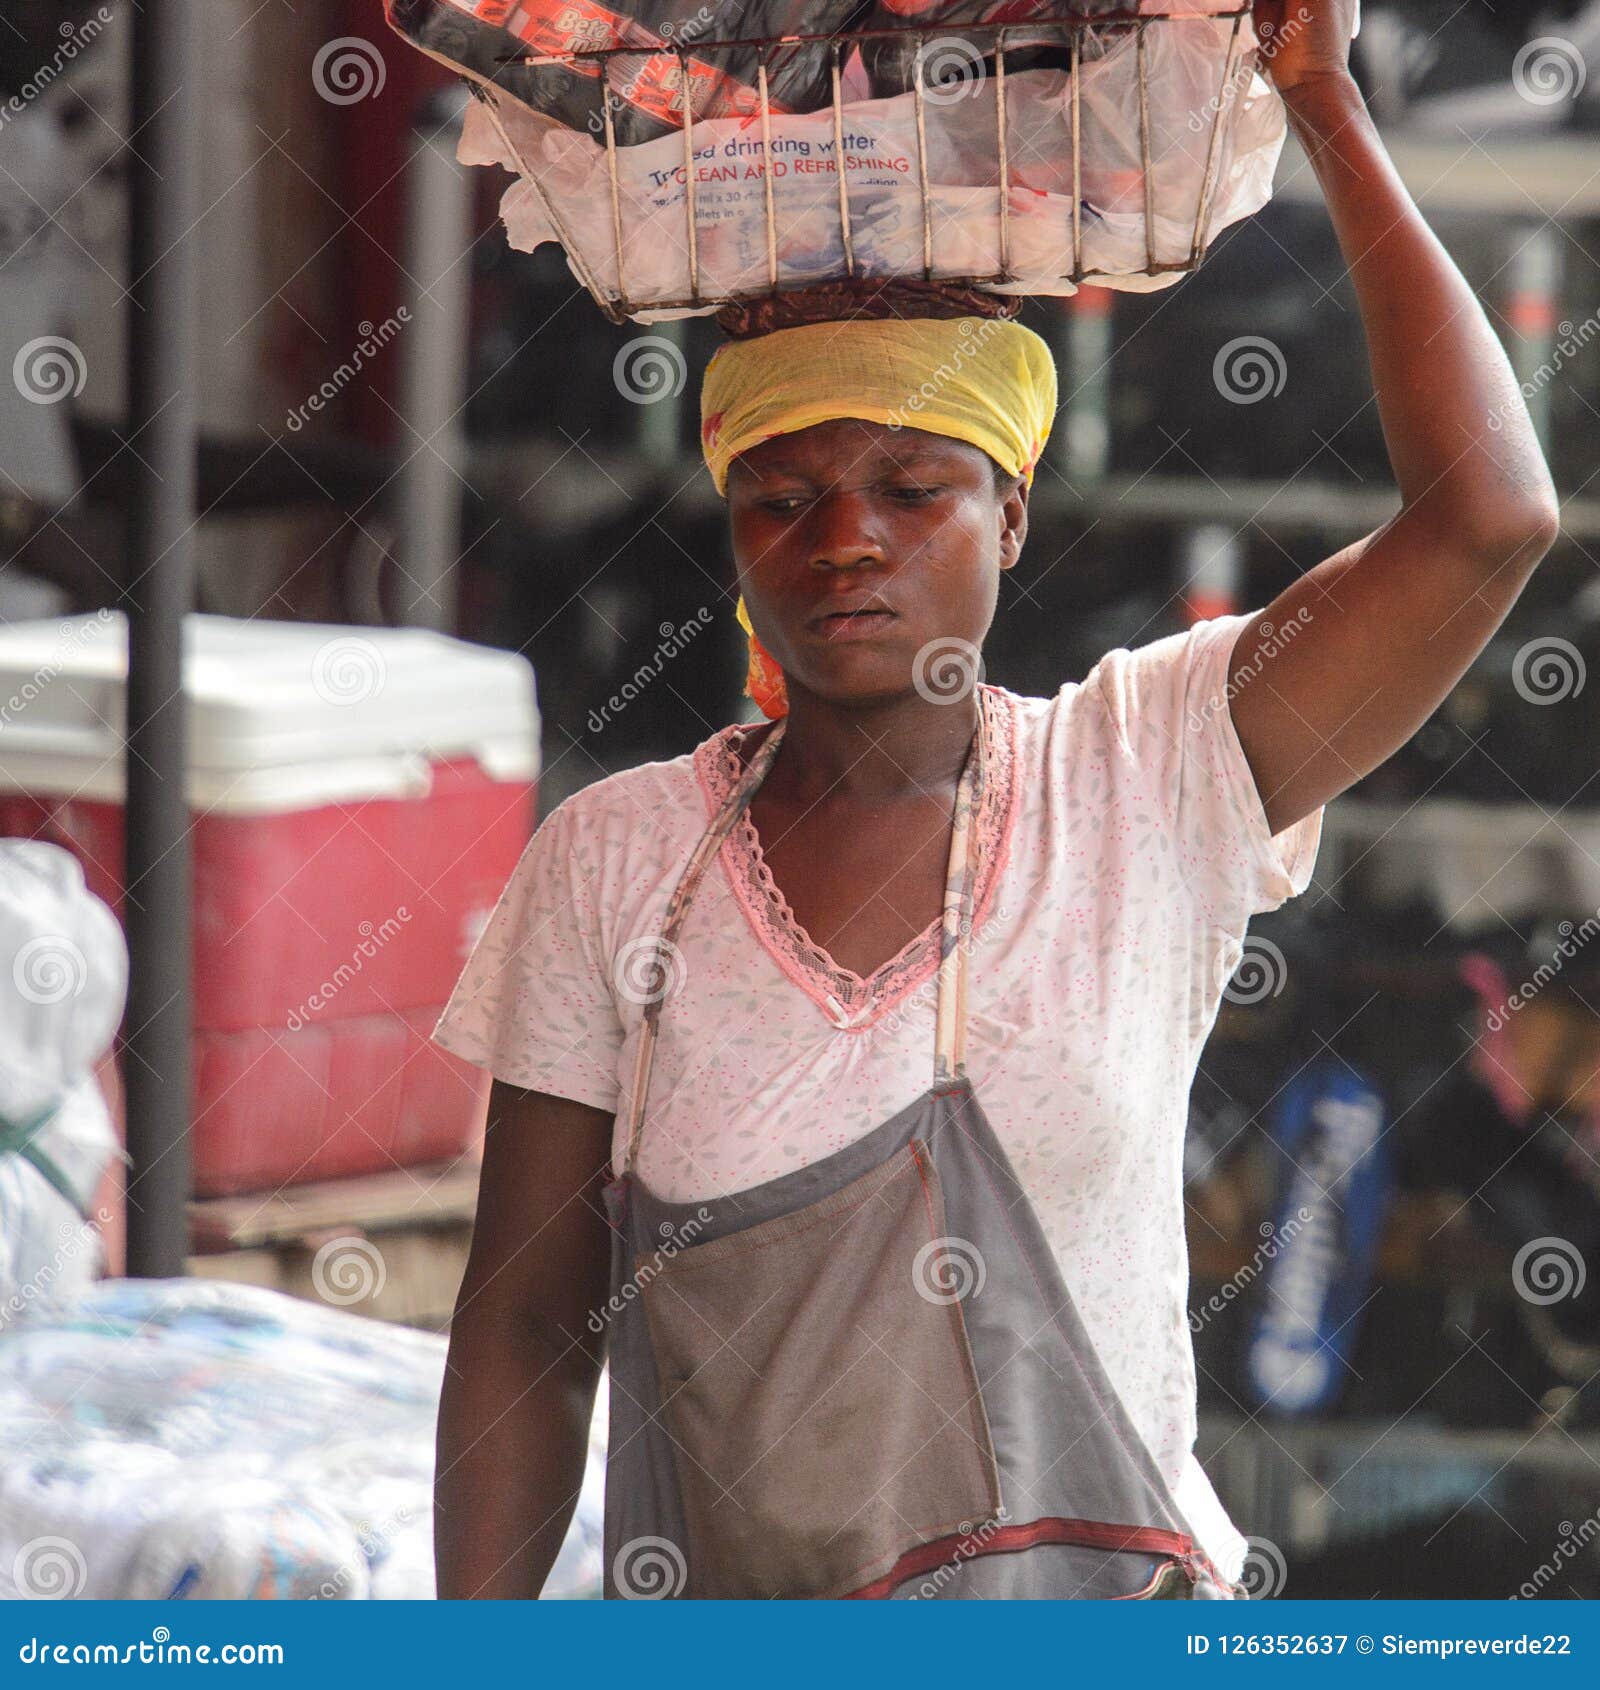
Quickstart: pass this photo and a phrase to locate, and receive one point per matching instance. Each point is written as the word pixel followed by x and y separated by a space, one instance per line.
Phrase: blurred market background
pixel 457 557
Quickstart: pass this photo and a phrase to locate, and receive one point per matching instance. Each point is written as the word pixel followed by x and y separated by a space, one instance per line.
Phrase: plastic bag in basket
pixel 483 38
pixel 954 52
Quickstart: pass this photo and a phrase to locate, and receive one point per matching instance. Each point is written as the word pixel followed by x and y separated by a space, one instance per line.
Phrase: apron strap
pixel 672 923
pixel 955 940
pixel 955 936
pixel 17 1139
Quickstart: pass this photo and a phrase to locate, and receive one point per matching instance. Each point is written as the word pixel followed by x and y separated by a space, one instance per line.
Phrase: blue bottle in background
pixel 1333 1188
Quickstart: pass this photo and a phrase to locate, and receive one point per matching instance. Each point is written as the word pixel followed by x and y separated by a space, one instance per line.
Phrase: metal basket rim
pixel 1070 19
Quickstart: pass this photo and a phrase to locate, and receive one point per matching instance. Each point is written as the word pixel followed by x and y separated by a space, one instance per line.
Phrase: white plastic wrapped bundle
pixel 248 1538
pixel 1176 139
pixel 188 1438
pixel 63 980
pixel 73 1507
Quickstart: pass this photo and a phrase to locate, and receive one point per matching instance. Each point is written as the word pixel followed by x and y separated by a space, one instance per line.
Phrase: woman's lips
pixel 853 624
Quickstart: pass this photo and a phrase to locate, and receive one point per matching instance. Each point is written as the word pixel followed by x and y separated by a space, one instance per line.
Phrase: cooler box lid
pixel 282 715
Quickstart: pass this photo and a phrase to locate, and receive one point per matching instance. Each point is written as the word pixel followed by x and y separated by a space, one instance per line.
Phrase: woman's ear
pixel 1013 521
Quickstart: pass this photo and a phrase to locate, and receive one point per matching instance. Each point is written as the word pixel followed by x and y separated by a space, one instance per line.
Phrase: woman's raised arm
pixel 1387 627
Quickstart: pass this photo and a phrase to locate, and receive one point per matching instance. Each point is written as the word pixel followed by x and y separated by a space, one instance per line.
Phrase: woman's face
pixel 859 547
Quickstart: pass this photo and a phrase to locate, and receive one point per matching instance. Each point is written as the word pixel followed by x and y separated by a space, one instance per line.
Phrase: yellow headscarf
pixel 985 380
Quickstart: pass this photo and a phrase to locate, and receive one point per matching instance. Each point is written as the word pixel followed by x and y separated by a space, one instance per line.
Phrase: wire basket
pixel 615 269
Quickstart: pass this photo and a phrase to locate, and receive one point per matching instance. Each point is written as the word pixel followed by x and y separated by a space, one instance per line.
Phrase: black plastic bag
pixel 483 38
pixel 956 57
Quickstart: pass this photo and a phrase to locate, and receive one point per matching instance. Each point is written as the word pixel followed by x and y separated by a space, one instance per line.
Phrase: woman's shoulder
pixel 1033 719
pixel 1143 691
pixel 650 800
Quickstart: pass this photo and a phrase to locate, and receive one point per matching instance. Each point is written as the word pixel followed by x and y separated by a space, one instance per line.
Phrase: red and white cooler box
pixel 359 798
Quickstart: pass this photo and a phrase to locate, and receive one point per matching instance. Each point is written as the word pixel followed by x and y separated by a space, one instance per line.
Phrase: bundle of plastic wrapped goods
pixel 488 38
pixel 1120 171
pixel 636 247
pixel 63 979
pixel 172 1438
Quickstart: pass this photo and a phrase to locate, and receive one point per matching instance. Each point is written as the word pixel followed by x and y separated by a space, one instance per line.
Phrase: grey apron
pixel 867 1378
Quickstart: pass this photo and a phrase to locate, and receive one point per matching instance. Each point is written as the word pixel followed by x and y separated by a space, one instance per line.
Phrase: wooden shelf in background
pixel 433 1194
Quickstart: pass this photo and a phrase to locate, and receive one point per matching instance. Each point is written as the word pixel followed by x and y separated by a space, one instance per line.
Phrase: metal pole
pixel 1082 444
pixel 433 373
pixel 157 1058
pixel 660 413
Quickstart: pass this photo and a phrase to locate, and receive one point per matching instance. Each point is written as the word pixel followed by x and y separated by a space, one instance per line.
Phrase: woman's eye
pixel 913 495
pixel 783 506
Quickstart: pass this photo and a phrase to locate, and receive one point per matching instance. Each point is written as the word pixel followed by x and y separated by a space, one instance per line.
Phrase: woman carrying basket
pixel 842 1064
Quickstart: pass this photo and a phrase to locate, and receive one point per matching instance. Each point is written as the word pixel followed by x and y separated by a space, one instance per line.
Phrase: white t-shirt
pixel 1123 848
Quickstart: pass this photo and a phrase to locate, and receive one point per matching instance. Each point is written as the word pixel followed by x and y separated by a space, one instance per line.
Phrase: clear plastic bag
pixel 63 979
pixel 190 1438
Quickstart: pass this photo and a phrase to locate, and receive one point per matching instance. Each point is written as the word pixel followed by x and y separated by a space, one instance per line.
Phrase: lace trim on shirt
pixel 851 1000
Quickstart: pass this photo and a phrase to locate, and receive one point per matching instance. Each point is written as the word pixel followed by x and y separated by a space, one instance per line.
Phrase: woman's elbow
pixel 1509 542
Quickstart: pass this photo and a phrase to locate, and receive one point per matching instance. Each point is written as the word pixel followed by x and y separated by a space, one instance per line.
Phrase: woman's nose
pixel 842 533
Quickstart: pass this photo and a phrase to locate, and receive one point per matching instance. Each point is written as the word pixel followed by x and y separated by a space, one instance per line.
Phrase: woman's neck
pixel 873 753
